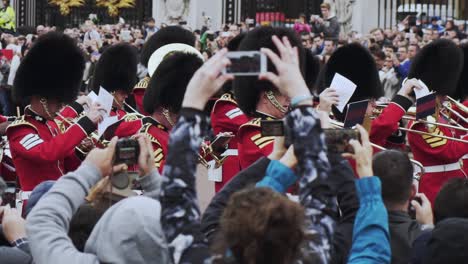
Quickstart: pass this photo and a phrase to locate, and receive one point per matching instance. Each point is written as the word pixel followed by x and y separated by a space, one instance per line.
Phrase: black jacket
pixel 403 232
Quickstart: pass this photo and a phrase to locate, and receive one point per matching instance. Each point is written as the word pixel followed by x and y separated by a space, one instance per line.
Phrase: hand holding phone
pixel 246 63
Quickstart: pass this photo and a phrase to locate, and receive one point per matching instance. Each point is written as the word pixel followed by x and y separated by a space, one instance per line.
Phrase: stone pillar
pixel 365 16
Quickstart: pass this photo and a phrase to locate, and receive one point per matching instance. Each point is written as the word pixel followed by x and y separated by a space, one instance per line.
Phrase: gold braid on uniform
pixel 272 98
pixel 165 113
pixel 46 107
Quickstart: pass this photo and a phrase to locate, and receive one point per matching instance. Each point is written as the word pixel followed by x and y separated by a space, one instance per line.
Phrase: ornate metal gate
pixel 50 15
pixel 236 11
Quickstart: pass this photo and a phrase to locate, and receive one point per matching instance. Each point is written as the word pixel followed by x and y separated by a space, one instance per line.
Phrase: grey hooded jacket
pixel 129 231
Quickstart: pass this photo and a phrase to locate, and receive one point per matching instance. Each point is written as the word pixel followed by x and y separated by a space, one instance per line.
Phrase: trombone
pixel 415 163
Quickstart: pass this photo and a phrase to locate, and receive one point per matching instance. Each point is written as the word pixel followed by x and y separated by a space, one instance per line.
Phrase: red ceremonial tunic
pixel 43 150
pixel 252 145
pixel 431 150
pixel 139 93
pixel 226 116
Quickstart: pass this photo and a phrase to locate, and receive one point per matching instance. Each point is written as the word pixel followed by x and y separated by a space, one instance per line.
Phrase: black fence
pixel 49 15
pixel 275 11
pixel 390 12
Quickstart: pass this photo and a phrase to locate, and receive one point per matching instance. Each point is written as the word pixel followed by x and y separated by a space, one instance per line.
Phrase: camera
pixel 127 151
pixel 338 140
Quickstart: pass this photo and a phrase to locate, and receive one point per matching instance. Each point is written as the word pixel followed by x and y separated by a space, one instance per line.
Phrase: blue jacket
pixel 371 239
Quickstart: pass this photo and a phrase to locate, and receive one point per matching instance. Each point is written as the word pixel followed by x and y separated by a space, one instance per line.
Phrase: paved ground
pixel 205 188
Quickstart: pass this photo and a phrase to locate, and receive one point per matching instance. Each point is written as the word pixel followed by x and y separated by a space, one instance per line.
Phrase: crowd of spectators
pixel 340 217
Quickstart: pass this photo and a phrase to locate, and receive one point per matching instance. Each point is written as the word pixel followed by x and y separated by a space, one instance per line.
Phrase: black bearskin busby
pixel 52 69
pixel 164 36
pixel 246 88
pixel 462 87
pixel 169 82
pixel 438 65
pixel 116 69
pixel 354 62
pixel 234 43
pixel 312 69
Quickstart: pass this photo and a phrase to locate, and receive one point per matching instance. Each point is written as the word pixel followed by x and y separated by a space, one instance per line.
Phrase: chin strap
pixel 166 115
pixel 272 98
pixel 115 101
pixel 43 102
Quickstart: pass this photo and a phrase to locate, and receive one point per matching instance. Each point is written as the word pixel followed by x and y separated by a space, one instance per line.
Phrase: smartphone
pixel 338 139
pixel 272 128
pixel 246 63
pixel 225 34
pixel 125 35
pixel 219 144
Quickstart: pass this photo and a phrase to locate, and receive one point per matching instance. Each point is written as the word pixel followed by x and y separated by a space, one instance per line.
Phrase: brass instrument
pixel 212 150
pixel 417 164
pixel 411 116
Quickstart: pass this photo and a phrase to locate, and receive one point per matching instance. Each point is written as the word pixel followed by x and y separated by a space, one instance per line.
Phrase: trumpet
pixel 215 150
pixel 94 137
pixel 416 164
pixel 411 116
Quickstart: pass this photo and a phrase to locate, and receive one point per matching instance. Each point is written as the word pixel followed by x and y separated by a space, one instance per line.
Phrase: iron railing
pixel 50 15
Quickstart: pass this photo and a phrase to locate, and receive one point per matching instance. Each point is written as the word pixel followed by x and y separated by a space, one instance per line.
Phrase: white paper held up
pixel 106 100
pixel 421 92
pixel 344 88
pixel 106 122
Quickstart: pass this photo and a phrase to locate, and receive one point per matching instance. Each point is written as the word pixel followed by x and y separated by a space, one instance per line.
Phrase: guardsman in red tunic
pixel 40 149
pixel 462 96
pixel 226 116
pixel 438 65
pixel 163 100
pixel 355 62
pixel 116 72
pixel 164 36
pixel 260 99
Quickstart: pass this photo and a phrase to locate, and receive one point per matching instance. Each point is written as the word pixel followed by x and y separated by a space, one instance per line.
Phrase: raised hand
pixel 207 81
pixel 289 79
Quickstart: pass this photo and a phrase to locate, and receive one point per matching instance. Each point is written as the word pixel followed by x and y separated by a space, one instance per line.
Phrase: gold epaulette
pixel 256 122
pixel 131 117
pixel 227 97
pixel 143 84
pixel 22 122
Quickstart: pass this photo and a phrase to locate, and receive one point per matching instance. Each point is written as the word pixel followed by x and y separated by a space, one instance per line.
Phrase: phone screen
pixel 246 63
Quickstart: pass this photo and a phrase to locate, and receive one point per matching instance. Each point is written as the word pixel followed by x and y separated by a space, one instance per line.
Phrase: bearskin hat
pixel 247 89
pixel 53 69
pixel 116 69
pixel 354 62
pixel 438 65
pixel 234 43
pixel 164 36
pixel 169 82
pixel 462 87
pixel 312 69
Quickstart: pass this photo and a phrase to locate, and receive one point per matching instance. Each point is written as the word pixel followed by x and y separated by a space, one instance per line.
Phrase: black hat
pixel 234 43
pixel 53 69
pixel 438 65
pixel 169 82
pixel 462 87
pixel 312 68
pixel 448 243
pixel 247 89
pixel 116 69
pixel 164 36
pixel 354 62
